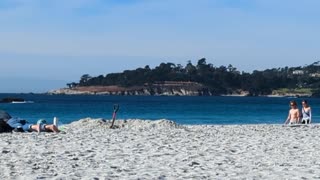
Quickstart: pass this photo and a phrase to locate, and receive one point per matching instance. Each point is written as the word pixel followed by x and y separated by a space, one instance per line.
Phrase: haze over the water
pixel 46 44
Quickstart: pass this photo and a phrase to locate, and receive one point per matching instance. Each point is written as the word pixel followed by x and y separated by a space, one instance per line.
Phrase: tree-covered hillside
pixel 223 79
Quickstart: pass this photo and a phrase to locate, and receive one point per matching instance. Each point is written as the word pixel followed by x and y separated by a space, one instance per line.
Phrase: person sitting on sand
pixel 294 114
pixel 23 125
pixel 306 113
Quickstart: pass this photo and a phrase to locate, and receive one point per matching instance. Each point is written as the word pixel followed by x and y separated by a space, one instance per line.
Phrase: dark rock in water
pixel 11 99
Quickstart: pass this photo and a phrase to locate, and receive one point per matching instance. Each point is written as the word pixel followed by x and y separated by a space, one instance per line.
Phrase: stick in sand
pixel 115 110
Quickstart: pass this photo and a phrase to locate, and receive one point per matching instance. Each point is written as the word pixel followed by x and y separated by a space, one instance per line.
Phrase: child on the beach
pixel 294 114
pixel 306 113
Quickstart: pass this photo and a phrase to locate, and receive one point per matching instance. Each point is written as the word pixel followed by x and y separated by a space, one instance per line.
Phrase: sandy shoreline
pixel 162 150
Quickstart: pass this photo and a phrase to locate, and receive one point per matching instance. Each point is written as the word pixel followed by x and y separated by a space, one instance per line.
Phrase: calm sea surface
pixel 183 110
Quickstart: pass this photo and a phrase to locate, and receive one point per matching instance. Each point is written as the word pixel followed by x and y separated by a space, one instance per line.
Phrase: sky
pixel 45 44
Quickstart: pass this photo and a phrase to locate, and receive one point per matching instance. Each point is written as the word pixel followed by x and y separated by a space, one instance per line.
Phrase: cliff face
pixel 156 89
pixel 193 89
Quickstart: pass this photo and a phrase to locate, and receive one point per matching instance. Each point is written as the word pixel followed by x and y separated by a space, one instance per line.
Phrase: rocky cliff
pixel 156 89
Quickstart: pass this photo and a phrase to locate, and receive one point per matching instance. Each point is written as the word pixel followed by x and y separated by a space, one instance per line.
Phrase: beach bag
pixel 4 115
pixel 4 127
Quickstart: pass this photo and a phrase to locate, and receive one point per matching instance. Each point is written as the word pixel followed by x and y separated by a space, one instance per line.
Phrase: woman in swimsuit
pixel 306 113
pixel 294 114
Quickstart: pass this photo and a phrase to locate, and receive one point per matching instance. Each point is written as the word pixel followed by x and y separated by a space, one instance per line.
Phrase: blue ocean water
pixel 183 110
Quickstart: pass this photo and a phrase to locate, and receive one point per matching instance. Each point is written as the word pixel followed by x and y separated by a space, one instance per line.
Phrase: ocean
pixel 181 109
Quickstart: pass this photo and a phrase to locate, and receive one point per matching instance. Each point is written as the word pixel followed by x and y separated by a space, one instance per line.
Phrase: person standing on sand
pixel 306 113
pixel 294 114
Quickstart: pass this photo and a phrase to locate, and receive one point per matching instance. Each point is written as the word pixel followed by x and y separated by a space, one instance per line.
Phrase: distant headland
pixel 202 79
pixel 12 100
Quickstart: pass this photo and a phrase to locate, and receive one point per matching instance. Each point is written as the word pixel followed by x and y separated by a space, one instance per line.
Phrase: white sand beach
pixel 139 149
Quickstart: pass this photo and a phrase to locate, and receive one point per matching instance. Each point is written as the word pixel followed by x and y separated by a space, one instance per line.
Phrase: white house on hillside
pixel 315 75
pixel 298 72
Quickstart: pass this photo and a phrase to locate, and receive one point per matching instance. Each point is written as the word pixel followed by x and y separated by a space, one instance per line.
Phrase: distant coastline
pixel 177 89
pixel 201 79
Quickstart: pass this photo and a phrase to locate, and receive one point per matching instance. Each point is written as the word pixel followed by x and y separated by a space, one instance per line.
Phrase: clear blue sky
pixel 47 43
